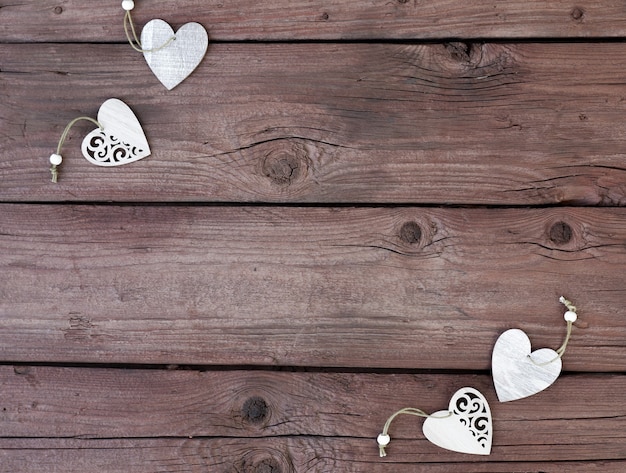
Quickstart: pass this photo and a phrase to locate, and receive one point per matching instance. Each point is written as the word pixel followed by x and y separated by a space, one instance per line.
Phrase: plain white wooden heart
pixel 466 427
pixel 518 373
pixel 121 139
pixel 173 63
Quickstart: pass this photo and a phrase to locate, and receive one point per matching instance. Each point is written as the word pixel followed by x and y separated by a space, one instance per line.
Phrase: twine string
pixel 407 410
pixel 133 39
pixel 53 170
pixel 561 350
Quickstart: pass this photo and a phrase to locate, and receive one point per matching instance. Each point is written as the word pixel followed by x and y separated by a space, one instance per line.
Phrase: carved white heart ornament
pixel 173 63
pixel 466 427
pixel 121 139
pixel 518 373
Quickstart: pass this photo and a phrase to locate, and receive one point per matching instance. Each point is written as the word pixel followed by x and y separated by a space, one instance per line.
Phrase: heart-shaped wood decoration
pixel 518 373
pixel 466 427
pixel 121 139
pixel 173 63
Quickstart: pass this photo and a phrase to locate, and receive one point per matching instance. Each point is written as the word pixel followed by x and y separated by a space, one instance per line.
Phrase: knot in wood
pixel 460 51
pixel 21 370
pixel 577 14
pixel 259 461
pixel 255 410
pixel 410 233
pixel 282 168
pixel 267 465
pixel 560 233
pixel 58 10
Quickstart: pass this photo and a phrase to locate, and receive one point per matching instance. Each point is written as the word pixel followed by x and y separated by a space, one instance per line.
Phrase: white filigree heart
pixel 172 64
pixel 518 373
pixel 121 139
pixel 466 427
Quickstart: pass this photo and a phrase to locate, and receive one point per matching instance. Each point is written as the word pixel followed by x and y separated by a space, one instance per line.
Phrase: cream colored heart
pixel 466 426
pixel 121 139
pixel 518 373
pixel 173 63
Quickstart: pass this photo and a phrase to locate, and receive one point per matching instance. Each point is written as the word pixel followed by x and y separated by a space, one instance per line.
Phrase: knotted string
pixel 384 439
pixel 134 39
pixel 53 169
pixel 570 321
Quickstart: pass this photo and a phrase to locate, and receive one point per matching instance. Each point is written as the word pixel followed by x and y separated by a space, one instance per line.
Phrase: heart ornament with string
pixel 120 138
pixel 518 372
pixel 466 427
pixel 173 63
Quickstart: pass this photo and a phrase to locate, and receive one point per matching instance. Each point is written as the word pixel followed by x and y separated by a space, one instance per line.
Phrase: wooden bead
pixel 55 159
pixel 570 316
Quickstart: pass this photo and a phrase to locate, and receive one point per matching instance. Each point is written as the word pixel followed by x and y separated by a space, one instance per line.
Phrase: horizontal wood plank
pixel 525 124
pixel 97 21
pixel 576 419
pixel 377 287
pixel 285 455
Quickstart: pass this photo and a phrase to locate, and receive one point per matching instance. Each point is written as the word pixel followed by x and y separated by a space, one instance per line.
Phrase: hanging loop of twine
pixel 570 317
pixel 133 39
pixel 53 170
pixel 384 439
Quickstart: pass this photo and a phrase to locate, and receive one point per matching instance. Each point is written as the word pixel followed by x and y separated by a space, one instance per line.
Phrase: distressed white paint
pixel 121 139
pixel 173 63
pixel 466 427
pixel 518 373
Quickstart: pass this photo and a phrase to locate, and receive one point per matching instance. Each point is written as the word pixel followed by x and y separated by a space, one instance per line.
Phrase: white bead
pixel 570 316
pixel 383 440
pixel 55 159
pixel 128 5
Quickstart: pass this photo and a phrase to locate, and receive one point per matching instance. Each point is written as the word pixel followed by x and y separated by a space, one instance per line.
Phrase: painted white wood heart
pixel 466 427
pixel 121 139
pixel 518 373
pixel 173 63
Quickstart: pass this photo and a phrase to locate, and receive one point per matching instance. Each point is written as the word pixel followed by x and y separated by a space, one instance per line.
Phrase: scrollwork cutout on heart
pixel 474 413
pixel 104 149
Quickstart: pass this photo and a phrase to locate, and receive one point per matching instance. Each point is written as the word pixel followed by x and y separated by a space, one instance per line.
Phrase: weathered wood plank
pixel 505 124
pixel 284 455
pixel 378 287
pixel 577 419
pixel 80 20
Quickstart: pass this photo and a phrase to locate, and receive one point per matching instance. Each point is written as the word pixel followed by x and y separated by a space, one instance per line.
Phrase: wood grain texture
pixel 299 454
pixel 98 21
pixel 428 288
pixel 402 102
pixel 523 124
pixel 337 416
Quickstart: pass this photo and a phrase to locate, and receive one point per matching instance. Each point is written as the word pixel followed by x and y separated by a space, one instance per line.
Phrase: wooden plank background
pixel 496 124
pixel 346 204
pixel 288 20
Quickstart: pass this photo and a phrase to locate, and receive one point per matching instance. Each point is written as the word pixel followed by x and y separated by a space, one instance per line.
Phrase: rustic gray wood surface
pixel 345 205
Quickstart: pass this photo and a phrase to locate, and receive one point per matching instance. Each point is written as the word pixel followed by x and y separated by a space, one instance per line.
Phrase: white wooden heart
pixel 466 427
pixel 518 373
pixel 173 63
pixel 121 139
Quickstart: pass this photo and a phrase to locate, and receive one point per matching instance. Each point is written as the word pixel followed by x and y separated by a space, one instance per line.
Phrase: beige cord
pixel 134 40
pixel 53 169
pixel 570 316
pixel 384 439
